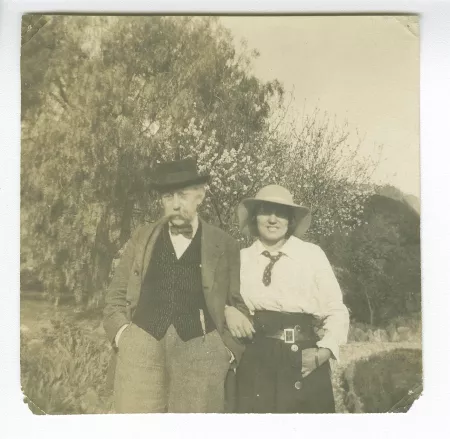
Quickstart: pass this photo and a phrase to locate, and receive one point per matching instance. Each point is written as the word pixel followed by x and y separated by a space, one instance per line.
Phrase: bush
pixel 383 382
pixel 64 371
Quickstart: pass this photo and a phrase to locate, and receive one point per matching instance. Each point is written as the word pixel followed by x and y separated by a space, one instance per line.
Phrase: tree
pixel 379 261
pixel 116 95
pixel 322 167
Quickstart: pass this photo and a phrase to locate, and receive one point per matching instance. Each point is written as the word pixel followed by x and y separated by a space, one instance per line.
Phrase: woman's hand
pixel 238 324
pixel 309 361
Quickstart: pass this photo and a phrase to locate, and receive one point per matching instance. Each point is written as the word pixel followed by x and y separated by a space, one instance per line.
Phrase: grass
pixel 64 360
pixel 63 371
pixel 65 355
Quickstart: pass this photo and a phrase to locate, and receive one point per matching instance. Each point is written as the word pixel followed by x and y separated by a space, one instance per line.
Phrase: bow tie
pixel 185 230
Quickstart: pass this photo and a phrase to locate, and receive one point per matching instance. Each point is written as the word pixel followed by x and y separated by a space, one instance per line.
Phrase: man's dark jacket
pixel 220 265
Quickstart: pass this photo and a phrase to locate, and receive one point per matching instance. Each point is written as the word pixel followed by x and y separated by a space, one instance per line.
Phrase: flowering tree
pixel 322 167
pixel 236 172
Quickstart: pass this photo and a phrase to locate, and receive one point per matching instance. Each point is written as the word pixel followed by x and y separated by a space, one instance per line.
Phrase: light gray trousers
pixel 170 375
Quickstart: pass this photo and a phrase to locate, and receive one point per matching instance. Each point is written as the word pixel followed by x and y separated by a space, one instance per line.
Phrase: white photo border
pixel 428 415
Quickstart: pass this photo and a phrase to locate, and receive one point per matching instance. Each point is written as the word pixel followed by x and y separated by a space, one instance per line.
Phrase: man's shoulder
pixel 213 228
pixel 144 228
pixel 219 233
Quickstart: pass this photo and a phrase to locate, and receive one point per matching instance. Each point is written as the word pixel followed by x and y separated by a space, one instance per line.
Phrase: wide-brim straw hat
pixel 278 195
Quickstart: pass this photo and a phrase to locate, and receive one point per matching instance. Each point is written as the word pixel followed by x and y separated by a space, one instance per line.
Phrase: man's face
pixel 181 204
pixel 272 221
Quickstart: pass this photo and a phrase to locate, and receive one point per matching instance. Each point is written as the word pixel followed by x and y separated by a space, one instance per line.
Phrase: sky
pixel 363 70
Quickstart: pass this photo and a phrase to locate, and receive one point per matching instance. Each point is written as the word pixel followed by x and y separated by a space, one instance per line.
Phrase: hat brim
pixel 160 186
pixel 245 212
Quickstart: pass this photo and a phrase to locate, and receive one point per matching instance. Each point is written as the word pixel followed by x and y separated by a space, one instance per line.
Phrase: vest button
pixel 294 348
pixel 136 273
pixel 298 385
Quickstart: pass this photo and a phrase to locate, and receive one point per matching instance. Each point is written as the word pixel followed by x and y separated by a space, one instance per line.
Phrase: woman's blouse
pixel 303 281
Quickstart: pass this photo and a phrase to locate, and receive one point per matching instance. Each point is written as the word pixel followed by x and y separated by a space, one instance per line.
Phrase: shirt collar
pixel 288 248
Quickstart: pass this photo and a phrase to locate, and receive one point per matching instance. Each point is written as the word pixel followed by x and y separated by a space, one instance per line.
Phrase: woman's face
pixel 272 221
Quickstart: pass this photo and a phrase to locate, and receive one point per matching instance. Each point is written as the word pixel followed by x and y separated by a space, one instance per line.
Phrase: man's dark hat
pixel 177 174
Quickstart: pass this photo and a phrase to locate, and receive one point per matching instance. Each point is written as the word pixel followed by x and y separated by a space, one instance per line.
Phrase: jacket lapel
pixel 211 250
pixel 148 242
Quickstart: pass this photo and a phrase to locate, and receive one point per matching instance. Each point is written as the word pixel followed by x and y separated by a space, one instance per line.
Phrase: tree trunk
pixel 102 255
pixel 104 251
pixel 125 226
pixel 369 305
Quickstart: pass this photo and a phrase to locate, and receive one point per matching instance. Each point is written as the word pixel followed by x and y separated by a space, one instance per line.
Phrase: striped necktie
pixel 267 276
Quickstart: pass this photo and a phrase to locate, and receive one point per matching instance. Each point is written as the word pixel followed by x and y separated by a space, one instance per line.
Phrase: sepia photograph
pixel 220 214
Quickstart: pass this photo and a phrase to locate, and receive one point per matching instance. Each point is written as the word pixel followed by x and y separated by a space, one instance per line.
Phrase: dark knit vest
pixel 172 291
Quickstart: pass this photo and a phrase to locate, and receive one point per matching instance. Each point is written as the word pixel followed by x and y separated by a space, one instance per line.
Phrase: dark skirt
pixel 269 378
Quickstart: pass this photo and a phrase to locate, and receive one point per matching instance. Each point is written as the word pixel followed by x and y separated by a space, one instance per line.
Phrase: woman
pixel 288 286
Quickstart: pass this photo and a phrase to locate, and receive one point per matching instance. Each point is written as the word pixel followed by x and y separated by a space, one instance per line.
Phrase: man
pixel 165 307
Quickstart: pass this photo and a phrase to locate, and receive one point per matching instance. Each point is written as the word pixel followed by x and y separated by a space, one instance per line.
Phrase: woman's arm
pixel 335 313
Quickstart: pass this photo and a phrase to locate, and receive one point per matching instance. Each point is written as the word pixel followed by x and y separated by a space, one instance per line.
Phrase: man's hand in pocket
pixel 119 333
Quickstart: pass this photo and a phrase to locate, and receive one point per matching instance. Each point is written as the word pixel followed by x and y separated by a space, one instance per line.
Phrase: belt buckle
pixel 289 336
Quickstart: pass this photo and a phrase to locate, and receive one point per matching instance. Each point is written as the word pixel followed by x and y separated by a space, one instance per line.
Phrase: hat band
pixel 276 200
pixel 174 178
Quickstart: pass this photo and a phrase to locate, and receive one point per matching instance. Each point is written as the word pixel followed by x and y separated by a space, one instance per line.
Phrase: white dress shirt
pixel 302 281
pixel 180 244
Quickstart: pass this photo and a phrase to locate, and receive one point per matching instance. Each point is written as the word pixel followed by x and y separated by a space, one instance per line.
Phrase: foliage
pixel 377 384
pixel 322 167
pixel 64 372
pixel 31 72
pixel 102 100
pixel 235 172
pixel 378 263
pixel 105 98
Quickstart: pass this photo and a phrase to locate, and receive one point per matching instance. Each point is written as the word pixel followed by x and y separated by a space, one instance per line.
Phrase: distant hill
pixel 414 202
pixel 396 194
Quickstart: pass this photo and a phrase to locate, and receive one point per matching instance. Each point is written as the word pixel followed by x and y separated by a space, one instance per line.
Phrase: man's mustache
pixel 177 216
